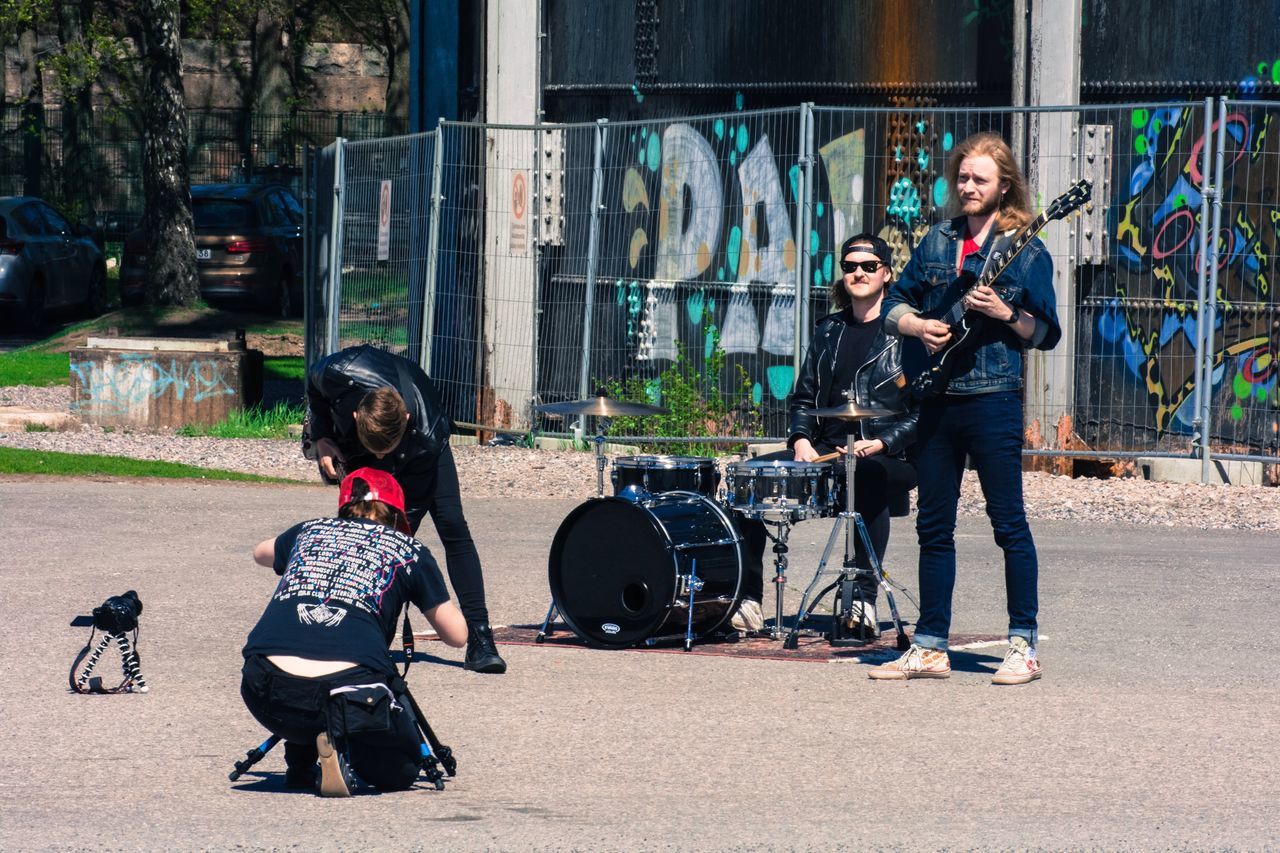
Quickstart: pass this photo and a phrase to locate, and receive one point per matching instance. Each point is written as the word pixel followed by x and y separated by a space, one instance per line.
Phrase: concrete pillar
pixel 1046 72
pixel 511 97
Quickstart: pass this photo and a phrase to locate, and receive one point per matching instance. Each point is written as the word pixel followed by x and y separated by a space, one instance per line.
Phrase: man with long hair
pixel 368 407
pixel 980 414
pixel 317 667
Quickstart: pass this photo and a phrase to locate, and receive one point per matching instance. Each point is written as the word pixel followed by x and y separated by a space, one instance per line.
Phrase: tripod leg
pixel 253 756
pixel 792 640
pixel 546 623
pixel 129 663
pixel 431 743
pixel 903 642
pixel 83 681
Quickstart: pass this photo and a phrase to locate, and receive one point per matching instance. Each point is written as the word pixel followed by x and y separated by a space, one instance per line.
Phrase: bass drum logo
pixel 610 628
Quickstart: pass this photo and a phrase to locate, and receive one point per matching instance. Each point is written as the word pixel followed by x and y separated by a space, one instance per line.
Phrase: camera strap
pixel 406 640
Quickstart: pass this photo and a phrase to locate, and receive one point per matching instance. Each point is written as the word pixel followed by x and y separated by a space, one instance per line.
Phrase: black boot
pixel 482 654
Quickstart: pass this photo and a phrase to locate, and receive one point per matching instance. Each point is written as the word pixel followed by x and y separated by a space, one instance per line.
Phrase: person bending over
pixel 367 407
pixel 849 349
pixel 980 414
pixel 319 653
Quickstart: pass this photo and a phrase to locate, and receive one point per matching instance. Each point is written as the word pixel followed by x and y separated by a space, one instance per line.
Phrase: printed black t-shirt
pixel 343 583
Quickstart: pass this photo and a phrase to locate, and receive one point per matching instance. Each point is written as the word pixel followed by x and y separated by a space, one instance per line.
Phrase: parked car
pixel 46 262
pixel 248 248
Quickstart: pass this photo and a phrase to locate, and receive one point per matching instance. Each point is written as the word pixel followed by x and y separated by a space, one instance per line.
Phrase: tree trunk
pixel 171 252
pixel 77 111
pixel 31 123
pixel 398 82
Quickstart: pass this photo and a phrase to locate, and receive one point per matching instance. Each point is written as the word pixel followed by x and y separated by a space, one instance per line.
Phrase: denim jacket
pixel 997 363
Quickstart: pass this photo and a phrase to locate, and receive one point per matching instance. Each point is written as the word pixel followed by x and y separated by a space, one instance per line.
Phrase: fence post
pixel 335 246
pixel 804 214
pixel 1199 426
pixel 1211 302
pixel 433 254
pixel 593 259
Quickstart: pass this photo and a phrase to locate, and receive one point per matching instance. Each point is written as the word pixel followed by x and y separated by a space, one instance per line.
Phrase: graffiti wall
pixel 1138 320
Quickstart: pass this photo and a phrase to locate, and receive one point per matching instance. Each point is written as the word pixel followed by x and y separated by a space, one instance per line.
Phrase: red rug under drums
pixel 810 648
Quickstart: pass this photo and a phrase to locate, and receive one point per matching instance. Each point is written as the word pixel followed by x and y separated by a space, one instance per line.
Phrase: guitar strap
pixel 998 247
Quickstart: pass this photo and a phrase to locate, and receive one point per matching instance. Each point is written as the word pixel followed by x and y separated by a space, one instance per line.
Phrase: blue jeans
pixel 987 428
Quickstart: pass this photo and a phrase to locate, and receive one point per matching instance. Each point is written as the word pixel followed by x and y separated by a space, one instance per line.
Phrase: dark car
pixel 46 262
pixel 248 248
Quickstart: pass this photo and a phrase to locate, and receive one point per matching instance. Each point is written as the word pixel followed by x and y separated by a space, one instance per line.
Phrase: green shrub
pixel 251 423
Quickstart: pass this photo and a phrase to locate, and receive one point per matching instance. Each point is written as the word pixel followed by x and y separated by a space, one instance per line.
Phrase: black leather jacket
pixel 878 383
pixel 335 386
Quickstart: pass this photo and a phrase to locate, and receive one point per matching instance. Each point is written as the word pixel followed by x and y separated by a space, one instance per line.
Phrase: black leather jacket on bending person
pixel 879 383
pixel 335 386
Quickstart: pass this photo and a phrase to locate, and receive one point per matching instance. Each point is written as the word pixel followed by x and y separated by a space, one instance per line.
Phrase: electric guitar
pixel 930 374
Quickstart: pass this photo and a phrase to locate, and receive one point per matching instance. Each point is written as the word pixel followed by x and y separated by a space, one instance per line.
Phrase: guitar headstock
pixel 1064 205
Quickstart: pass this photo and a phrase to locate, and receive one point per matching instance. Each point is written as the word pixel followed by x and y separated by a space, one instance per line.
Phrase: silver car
pixel 46 262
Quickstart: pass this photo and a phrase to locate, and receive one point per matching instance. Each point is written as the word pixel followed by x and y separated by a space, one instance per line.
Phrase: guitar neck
pixel 1020 242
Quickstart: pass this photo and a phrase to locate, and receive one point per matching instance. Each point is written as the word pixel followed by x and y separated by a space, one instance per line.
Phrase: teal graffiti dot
pixel 711 305
pixel 1139 118
pixel 653 390
pixel 732 248
pixel 1140 144
pixel 733 157
pixel 1237 412
pixel 738 101
pixel 709 345
pixel 720 274
pixel 948 141
pixel 793 176
pixel 897 153
pixel 813 243
pixel 817 278
pixel 940 192
pixel 922 158
pixel 644 131
pixel 819 209
pixel 920 126
pixel 757 394
pixel 640 154
pixel 639 97
pixel 828 265
pixel 719 128
pixel 654 157
pixel 742 138
pixel 1241 387
pixel 780 378
pixel 633 137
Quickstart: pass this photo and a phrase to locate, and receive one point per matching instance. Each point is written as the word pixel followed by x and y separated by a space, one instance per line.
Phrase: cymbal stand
pixel 851 523
pixel 602 424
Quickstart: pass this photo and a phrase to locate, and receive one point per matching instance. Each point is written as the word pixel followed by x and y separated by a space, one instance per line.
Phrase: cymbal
pixel 851 412
pixel 602 406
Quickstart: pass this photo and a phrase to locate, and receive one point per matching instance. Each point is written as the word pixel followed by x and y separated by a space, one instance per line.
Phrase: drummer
pixel 849 349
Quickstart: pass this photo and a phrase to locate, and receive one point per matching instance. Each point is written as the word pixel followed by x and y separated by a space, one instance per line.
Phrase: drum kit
pixel 662 559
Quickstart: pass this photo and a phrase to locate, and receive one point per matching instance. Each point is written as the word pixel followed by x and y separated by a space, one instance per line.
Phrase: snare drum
pixel 643 476
pixel 777 488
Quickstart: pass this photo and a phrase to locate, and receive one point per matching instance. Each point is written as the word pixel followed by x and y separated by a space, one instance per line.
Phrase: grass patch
pixel 285 367
pixel 18 461
pixel 251 423
pixel 26 367
pixel 32 426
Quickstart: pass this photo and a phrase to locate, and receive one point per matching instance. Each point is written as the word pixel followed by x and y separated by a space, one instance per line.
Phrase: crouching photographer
pixel 317 665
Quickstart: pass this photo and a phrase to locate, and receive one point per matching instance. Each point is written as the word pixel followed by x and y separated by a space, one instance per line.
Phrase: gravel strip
pixel 489 472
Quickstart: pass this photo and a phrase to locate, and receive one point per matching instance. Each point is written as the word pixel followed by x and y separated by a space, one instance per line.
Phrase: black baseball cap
pixel 868 243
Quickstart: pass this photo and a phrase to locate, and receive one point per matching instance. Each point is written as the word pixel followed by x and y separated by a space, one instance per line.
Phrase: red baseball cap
pixel 382 487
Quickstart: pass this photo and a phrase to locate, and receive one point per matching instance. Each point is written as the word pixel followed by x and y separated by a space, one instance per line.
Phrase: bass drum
pixel 619 569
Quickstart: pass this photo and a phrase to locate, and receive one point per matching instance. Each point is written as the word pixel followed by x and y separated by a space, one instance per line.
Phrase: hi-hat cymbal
pixel 851 412
pixel 602 406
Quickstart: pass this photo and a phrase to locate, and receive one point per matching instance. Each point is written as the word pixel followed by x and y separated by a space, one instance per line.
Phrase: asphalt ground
pixel 1155 726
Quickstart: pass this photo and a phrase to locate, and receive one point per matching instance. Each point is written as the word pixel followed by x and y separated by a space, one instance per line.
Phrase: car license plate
pixel 204 254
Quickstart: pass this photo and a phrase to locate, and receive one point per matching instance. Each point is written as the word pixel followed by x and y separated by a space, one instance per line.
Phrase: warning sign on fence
pixel 519 242
pixel 384 222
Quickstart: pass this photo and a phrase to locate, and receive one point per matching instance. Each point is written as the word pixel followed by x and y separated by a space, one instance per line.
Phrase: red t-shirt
pixel 969 246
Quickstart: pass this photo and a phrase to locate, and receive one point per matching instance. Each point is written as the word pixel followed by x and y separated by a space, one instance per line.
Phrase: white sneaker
pixel 1020 664
pixel 748 618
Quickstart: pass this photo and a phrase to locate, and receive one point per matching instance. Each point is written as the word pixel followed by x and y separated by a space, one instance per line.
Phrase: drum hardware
pixel 603 408
pixel 779 489
pixel 780 570
pixel 850 521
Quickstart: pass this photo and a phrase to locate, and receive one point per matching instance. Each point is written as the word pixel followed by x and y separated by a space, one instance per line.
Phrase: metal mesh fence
pixel 684 261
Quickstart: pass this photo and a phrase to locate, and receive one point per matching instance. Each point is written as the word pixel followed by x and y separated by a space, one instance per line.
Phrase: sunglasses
pixel 867 267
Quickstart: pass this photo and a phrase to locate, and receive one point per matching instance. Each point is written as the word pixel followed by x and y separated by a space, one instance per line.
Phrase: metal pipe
pixel 433 258
pixel 335 248
pixel 1199 434
pixel 593 259
pixel 802 241
pixel 1211 302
